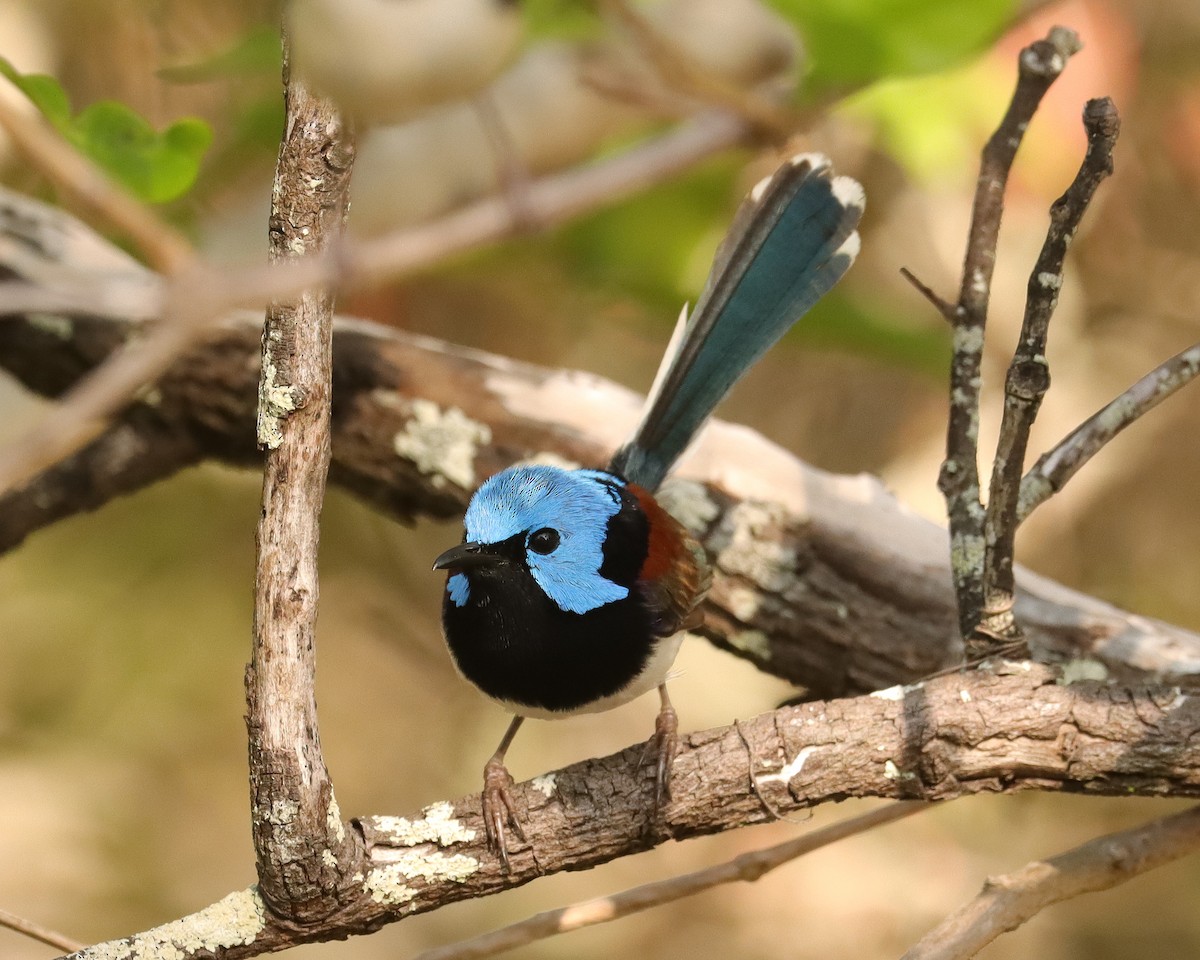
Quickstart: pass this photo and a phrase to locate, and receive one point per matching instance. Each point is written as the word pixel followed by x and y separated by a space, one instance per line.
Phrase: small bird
pixel 570 588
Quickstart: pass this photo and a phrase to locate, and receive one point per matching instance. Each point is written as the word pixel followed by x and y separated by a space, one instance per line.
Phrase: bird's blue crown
pixel 576 504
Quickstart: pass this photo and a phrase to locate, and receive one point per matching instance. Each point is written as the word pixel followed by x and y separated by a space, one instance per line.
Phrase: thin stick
pixel 100 201
pixel 1028 376
pixel 1057 466
pixel 1039 65
pixel 37 932
pixel 1008 901
pixel 189 302
pixel 748 867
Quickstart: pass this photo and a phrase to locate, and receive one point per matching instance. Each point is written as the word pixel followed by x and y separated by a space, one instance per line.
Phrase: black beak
pixel 465 555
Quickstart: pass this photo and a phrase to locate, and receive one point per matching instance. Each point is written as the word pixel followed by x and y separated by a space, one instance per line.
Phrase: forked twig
pixel 1039 65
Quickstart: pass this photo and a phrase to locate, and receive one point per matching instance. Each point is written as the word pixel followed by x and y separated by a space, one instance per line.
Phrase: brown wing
pixel 675 575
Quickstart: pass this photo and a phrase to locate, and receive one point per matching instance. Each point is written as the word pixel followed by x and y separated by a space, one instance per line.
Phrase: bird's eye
pixel 544 540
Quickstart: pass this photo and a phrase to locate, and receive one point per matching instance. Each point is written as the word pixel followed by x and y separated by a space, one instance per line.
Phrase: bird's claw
pixel 498 808
pixel 665 743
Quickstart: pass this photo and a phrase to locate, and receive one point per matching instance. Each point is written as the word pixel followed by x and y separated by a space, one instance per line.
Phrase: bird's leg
pixel 498 805
pixel 666 741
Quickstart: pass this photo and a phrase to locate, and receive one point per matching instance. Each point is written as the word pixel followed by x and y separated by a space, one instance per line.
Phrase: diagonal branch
pixel 1057 466
pixel 189 300
pixel 1028 376
pixel 1008 901
pixel 35 931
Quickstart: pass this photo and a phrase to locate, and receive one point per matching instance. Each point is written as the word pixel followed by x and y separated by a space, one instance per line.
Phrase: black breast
pixel 516 644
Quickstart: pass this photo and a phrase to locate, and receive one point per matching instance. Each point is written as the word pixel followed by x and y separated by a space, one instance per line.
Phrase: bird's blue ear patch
pixel 459 589
pixel 576 504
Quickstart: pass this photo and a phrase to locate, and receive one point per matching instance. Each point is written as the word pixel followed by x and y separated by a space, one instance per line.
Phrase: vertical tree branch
pixel 1028 376
pixel 1039 65
pixel 301 844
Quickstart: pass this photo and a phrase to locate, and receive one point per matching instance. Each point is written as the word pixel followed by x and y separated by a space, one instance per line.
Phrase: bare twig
pixel 746 867
pixel 1039 65
pixel 1008 901
pixel 37 932
pixel 189 302
pixel 944 307
pixel 1028 376
pixel 679 71
pixel 302 847
pixel 1057 466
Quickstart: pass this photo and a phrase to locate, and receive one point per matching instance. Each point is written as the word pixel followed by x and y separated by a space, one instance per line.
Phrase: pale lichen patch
pixel 438 825
pixel 743 602
pixel 545 784
pixel 689 503
pixel 333 820
pixel 1085 668
pixel 441 443
pixel 236 920
pixel 749 552
pixel 54 324
pixel 389 883
pixel 893 772
pixel 754 642
pixel 275 401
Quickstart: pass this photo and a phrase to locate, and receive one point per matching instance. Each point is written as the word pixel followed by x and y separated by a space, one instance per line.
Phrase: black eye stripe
pixel 544 541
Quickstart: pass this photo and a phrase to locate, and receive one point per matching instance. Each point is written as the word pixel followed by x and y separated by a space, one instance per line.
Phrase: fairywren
pixel 570 587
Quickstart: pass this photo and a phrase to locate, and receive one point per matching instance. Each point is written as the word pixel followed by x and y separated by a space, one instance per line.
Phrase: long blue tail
pixel 791 240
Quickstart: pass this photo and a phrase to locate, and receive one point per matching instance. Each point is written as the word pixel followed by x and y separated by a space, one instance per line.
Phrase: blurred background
pixel 124 634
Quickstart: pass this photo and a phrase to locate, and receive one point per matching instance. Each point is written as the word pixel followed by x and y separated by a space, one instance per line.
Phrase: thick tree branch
pixel 824 580
pixel 1008 901
pixel 978 732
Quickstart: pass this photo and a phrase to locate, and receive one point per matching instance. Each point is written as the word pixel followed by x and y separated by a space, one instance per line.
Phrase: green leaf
pixel 257 53
pixel 46 93
pixel 855 42
pixel 156 167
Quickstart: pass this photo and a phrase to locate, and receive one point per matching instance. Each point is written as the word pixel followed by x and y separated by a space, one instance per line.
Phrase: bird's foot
pixel 666 742
pixel 498 809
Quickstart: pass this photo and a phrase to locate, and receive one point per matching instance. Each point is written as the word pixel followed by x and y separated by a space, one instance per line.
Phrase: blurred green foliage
pixel 851 43
pixel 155 166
